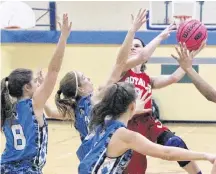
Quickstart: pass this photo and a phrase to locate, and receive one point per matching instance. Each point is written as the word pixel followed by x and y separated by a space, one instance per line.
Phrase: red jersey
pixel 145 123
pixel 142 83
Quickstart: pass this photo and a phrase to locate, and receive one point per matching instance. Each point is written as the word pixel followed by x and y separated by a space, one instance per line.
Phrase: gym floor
pixel 64 141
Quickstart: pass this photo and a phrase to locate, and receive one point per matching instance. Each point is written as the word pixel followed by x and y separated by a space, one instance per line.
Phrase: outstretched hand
pixel 140 104
pixel 65 26
pixel 139 20
pixel 185 57
pixel 166 33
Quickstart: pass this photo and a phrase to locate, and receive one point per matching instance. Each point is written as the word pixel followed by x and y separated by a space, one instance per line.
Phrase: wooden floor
pixel 64 140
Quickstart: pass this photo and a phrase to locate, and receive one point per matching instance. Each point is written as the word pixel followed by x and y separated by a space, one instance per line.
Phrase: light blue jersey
pixel 92 152
pixel 26 142
pixel 82 116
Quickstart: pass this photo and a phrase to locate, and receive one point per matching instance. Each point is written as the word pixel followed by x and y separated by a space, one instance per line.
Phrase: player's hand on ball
pixel 65 26
pixel 194 53
pixel 166 33
pixel 139 20
pixel 140 104
pixel 185 58
pixel 182 20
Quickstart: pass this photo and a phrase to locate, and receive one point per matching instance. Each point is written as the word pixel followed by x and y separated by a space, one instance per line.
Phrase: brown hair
pixel 69 88
pixel 115 102
pixel 13 86
pixel 143 66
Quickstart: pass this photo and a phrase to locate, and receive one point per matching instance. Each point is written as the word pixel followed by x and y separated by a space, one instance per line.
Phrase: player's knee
pixel 176 141
pixel 170 139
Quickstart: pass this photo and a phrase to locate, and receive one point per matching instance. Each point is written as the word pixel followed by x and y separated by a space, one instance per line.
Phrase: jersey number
pixel 19 138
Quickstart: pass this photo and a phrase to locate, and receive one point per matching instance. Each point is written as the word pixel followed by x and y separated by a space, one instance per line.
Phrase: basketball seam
pixel 197 43
pixel 193 32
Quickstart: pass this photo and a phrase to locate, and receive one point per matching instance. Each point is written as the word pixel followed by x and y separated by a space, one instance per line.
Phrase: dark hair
pixel 143 66
pixel 69 88
pixel 143 44
pixel 13 86
pixel 115 102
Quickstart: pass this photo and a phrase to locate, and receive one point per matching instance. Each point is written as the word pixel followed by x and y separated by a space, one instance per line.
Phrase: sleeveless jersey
pixel 142 83
pixel 92 152
pixel 82 116
pixel 25 140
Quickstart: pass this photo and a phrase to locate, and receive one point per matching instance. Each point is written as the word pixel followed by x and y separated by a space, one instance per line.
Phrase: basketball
pixel 193 33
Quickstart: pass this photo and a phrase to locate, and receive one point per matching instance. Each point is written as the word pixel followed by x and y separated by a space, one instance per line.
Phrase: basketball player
pixel 23 122
pixel 75 97
pixel 185 60
pixel 111 143
pixel 146 124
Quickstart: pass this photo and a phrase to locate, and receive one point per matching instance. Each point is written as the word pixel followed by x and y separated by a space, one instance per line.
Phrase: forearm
pixel 149 49
pixel 56 61
pixel 204 88
pixel 149 148
pixel 166 80
pixel 179 154
pixel 121 58
pixel 178 75
pixel 126 47
pixel 144 55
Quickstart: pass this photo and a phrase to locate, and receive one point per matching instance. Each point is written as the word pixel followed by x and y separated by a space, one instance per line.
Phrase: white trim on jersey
pixel 98 161
pixel 114 171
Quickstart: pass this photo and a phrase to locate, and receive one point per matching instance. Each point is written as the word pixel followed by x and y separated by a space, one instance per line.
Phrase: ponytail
pixel 99 113
pixel 114 103
pixel 66 106
pixel 7 106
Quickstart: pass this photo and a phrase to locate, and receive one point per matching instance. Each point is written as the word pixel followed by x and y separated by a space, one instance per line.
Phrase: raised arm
pixel 123 54
pixel 124 51
pixel 185 60
pixel 51 113
pixel 166 80
pixel 45 89
pixel 149 49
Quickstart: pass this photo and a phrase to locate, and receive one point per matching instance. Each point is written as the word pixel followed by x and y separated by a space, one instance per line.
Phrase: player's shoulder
pixel 124 134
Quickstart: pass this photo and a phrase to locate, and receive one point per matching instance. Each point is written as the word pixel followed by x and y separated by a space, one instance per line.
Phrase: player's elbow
pixel 168 154
pixel 144 56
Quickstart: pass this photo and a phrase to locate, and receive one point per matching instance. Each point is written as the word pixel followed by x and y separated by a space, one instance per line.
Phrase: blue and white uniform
pixel 92 152
pixel 82 116
pixel 26 142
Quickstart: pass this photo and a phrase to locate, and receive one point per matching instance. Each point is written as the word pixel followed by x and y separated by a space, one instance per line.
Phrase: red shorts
pixel 149 127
